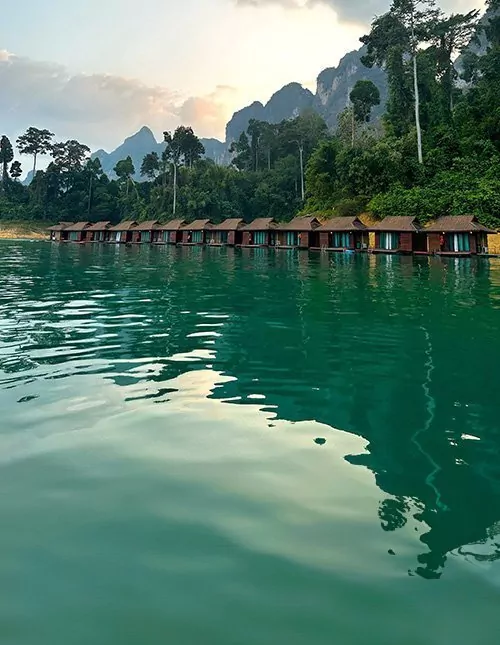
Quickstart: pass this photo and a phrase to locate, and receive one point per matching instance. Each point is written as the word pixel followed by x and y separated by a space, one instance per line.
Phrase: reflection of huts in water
pixel 143 232
pixel 196 232
pixel 457 235
pixel 57 232
pixel 398 235
pixel 342 234
pixel 122 232
pixel 300 233
pixel 227 233
pixel 168 232
pixel 99 232
pixel 259 232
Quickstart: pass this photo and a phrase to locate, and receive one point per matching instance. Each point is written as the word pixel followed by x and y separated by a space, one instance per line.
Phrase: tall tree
pixel 177 146
pixel 125 170
pixel 364 96
pixel 6 156
pixel 69 155
pixel 150 166
pixel 93 169
pixel 35 142
pixel 16 170
pixel 192 147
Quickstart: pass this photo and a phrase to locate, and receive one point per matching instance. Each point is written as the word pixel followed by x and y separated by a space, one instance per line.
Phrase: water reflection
pixel 402 352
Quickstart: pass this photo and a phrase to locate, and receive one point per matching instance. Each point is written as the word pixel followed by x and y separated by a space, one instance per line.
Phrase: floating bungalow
pixel 142 233
pixel 400 234
pixel 196 232
pixel 343 234
pixel 169 232
pixel 57 232
pixel 227 233
pixel 260 232
pixel 98 232
pixel 457 235
pixel 122 232
pixel 78 232
pixel 300 233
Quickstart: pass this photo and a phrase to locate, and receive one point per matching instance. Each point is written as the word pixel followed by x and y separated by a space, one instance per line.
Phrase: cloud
pixel 98 109
pixel 354 11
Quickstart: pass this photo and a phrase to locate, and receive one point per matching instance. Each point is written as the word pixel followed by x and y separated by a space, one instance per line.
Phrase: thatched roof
pixel 62 226
pixel 457 224
pixel 78 226
pixel 198 225
pixel 343 224
pixel 308 223
pixel 124 226
pixel 172 225
pixel 231 224
pixel 260 224
pixel 402 224
pixel 147 226
pixel 100 226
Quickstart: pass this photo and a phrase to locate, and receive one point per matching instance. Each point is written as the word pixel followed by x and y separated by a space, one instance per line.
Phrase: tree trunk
pixel 417 95
pixel 90 196
pixel 302 187
pixel 34 166
pixel 175 190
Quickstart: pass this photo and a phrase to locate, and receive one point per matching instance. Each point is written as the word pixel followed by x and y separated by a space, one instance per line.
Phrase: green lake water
pixel 237 447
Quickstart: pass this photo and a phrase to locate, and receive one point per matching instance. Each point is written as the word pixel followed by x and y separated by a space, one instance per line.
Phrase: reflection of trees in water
pixel 386 361
pixel 377 349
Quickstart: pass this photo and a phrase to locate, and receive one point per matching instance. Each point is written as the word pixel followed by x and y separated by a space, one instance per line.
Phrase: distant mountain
pixel 142 143
pixel 287 103
pixel 332 96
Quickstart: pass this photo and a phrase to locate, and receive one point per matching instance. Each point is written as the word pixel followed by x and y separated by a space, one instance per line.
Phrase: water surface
pixel 237 447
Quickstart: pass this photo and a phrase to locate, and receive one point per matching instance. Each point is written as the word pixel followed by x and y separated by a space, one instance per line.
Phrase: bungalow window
pixel 389 241
pixel 341 241
pixel 222 237
pixel 73 236
pixel 166 235
pixel 259 238
pixel 292 238
pixel 460 243
pixel 197 237
pixel 146 236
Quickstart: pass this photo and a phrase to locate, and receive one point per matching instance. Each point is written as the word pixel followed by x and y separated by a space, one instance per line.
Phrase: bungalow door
pixel 389 241
pixel 340 240
pixel 460 242
pixel 197 237
pixel 118 237
pixel 292 238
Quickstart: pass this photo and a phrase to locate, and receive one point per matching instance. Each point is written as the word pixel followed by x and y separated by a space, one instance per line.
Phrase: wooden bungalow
pixel 196 232
pixel 300 232
pixel 143 232
pixel 99 232
pixel 260 232
pixel 58 232
pixel 169 232
pixel 227 233
pixel 122 232
pixel 78 232
pixel 399 234
pixel 343 234
pixel 457 235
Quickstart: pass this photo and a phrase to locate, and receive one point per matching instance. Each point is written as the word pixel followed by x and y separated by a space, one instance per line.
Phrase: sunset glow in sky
pixel 98 70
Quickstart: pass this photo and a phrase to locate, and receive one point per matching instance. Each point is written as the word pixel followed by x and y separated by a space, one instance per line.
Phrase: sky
pixel 98 70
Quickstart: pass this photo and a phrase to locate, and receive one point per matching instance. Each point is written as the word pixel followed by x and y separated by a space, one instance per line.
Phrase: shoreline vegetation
pixel 434 153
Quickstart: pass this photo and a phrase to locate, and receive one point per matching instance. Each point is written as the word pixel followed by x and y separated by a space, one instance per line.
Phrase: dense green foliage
pixel 436 151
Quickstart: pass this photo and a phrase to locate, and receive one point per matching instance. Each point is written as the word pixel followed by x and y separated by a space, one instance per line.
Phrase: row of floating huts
pixel 460 235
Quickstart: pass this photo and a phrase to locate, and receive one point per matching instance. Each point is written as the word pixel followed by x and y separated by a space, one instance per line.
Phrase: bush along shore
pixel 434 153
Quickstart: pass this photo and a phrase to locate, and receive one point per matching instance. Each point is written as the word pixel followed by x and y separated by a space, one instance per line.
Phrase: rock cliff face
pixel 335 84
